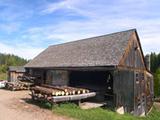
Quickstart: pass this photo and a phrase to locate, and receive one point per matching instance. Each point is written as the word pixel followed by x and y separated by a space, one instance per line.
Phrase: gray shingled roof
pixel 106 50
pixel 16 68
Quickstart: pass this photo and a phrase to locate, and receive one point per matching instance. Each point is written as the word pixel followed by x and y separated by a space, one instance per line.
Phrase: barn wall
pixel 124 89
pixel 139 93
pixel 149 91
pixel 134 90
pixel 133 57
pixel 57 77
pixel 12 75
pixel 39 74
pixel 51 77
pixel 133 62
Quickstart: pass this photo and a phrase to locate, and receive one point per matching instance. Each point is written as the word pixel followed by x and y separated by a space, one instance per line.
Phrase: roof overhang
pixel 84 68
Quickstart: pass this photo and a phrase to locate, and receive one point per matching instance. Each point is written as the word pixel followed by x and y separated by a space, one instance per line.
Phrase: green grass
pixel 3 76
pixel 73 111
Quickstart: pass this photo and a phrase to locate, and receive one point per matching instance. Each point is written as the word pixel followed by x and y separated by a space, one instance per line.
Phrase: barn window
pixel 137 78
pixel 142 76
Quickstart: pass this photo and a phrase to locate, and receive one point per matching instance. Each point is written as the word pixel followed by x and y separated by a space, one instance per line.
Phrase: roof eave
pixel 111 67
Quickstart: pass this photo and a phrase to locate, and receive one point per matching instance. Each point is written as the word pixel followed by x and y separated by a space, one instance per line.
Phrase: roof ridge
pixel 133 29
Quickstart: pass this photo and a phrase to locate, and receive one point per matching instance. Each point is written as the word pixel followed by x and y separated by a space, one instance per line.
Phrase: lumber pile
pixel 66 90
pixel 18 85
pixel 47 92
pixel 26 78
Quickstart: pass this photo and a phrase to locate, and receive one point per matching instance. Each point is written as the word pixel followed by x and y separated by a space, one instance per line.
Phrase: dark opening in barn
pixel 100 82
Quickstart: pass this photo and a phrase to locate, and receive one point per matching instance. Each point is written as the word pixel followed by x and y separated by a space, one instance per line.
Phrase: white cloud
pixel 55 6
pixel 103 18
pixel 22 51
pixel 66 4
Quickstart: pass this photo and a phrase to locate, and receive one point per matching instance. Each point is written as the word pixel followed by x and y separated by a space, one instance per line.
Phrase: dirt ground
pixel 14 106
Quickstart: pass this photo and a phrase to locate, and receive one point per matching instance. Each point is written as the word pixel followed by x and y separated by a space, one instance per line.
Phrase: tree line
pixel 155 69
pixel 7 60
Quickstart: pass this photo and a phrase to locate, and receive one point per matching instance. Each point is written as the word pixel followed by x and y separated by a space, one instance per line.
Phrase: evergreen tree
pixel 157 82
pixel 7 60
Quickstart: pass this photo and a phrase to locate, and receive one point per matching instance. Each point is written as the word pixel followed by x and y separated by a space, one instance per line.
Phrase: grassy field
pixel 74 111
pixel 3 76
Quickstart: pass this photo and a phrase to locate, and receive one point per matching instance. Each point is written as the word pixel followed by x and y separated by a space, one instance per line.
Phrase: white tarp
pixel 2 84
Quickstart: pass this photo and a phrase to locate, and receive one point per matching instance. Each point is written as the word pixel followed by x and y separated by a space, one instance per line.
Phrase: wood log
pixel 71 90
pixel 65 91
pixel 42 90
pixel 58 90
pixel 77 90
pixel 49 91
pixel 53 87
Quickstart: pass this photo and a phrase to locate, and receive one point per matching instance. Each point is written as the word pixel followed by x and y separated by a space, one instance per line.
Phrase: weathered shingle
pixel 16 68
pixel 105 50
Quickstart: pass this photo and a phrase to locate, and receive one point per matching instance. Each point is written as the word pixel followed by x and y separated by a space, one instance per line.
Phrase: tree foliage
pixel 155 62
pixel 157 82
pixel 10 60
pixel 155 69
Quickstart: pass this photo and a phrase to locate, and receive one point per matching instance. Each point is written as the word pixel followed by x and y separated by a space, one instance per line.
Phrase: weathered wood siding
pixel 57 77
pixel 39 74
pixel 139 93
pixel 12 75
pixel 149 91
pixel 133 57
pixel 124 89
pixel 134 64
pixel 47 76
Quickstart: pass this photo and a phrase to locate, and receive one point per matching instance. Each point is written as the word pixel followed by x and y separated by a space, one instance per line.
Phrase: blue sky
pixel 29 26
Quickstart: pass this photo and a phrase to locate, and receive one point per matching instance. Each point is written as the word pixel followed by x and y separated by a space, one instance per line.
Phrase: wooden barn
pixel 14 72
pixel 111 65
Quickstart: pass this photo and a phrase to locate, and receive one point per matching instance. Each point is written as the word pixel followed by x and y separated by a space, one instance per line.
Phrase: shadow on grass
pixel 41 104
pixel 69 105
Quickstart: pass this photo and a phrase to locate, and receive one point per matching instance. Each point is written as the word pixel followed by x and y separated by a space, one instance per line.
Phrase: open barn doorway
pixel 100 82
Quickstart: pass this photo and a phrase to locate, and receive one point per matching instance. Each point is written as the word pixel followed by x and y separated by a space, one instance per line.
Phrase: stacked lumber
pixel 26 78
pixel 18 85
